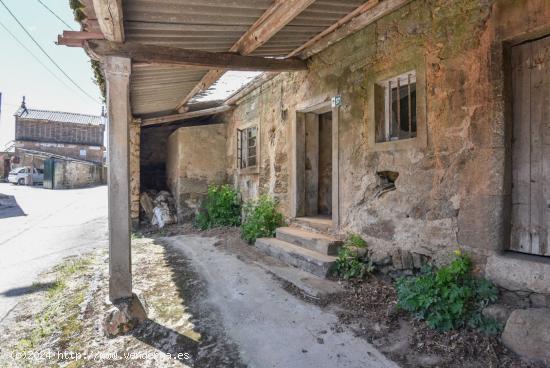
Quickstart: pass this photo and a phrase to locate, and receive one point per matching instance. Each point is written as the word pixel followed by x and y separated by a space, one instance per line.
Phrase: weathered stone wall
pixel 195 159
pixel 135 134
pixel 453 189
pixel 58 132
pixel 74 174
pixel 92 153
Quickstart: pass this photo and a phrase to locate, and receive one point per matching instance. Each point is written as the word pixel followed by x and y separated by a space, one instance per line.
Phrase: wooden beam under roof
pixel 270 23
pixel 186 115
pixel 358 11
pixel 109 15
pixel 141 53
pixel 371 15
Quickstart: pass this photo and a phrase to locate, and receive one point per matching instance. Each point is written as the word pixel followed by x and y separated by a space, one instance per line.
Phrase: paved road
pixel 39 227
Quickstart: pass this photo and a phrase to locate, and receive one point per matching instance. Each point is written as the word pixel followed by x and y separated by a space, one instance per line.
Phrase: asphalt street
pixel 40 227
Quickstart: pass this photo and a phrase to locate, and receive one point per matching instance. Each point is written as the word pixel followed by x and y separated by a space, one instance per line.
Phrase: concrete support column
pixel 117 70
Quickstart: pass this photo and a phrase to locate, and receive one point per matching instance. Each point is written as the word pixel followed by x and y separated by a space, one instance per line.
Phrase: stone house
pixel 420 125
pixel 70 135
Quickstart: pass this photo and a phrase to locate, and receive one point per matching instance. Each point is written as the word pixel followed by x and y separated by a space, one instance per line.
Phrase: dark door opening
pixel 324 202
pixel 318 165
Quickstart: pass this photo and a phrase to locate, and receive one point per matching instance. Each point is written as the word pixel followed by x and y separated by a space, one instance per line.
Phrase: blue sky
pixel 21 74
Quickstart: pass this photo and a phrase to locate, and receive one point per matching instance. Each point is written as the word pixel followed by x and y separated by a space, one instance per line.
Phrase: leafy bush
pixel 260 219
pixel 221 207
pixel 350 264
pixel 355 240
pixel 449 297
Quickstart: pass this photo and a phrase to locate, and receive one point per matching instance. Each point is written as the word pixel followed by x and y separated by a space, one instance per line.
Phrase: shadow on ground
pixel 9 207
pixel 170 342
pixel 10 293
pixel 214 348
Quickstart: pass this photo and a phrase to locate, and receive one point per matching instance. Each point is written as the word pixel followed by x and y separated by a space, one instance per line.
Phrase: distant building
pixel 68 146
pixel 58 133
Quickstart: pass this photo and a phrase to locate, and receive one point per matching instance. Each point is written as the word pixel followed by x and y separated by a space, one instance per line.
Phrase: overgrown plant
pixel 449 297
pixel 351 262
pixel 355 240
pixel 260 219
pixel 221 207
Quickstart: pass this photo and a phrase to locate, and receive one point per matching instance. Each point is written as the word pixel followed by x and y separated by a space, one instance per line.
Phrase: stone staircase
pixel 306 245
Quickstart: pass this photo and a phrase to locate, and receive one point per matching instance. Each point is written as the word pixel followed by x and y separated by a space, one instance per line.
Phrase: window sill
pixel 400 144
pixel 254 170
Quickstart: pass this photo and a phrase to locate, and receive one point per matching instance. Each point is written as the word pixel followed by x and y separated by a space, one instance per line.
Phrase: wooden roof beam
pixel 370 15
pixel 109 15
pixel 270 23
pixel 152 54
pixel 187 115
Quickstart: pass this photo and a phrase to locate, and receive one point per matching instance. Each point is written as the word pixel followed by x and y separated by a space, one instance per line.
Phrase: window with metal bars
pixel 247 147
pixel 398 120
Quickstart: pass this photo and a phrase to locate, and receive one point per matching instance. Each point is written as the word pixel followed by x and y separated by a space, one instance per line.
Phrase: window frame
pixel 249 169
pixel 374 80
pixel 388 85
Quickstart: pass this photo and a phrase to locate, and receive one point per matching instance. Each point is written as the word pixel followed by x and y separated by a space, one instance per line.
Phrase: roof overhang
pixel 179 48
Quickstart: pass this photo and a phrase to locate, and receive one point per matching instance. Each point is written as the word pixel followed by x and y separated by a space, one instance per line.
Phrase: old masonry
pixel 422 125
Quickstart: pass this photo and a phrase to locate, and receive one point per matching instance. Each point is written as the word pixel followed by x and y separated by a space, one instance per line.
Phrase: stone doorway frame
pixel 298 188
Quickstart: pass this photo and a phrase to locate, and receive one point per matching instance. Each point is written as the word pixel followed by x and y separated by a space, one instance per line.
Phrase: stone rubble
pixel 159 208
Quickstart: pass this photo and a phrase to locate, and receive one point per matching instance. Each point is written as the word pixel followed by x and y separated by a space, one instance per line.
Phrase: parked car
pixel 19 176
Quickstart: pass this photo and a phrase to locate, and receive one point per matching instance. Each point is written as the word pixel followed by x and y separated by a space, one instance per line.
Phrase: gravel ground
pixel 369 308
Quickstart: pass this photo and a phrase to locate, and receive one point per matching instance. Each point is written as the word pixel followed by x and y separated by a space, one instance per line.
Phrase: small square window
pixel 247 147
pixel 395 106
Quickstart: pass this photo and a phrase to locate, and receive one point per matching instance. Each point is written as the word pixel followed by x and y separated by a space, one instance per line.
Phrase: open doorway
pixel 315 170
pixel 318 165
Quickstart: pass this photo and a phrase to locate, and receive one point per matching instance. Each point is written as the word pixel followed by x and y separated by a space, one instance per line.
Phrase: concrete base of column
pixel 125 315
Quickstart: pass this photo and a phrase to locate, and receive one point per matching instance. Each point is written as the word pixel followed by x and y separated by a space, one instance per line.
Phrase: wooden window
pixel 398 96
pixel 247 147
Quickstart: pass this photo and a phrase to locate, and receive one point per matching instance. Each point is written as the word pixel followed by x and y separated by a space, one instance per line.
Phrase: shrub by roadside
pixel 449 297
pixel 352 261
pixel 260 219
pixel 221 207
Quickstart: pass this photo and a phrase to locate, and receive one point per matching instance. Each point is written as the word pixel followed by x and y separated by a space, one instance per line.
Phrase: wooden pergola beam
pixel 371 15
pixel 270 23
pixel 187 115
pixel 77 38
pixel 153 54
pixel 109 15
pixel 358 11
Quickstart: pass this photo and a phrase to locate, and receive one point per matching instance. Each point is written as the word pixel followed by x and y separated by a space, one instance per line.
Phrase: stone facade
pixel 75 174
pixel 196 159
pixel 452 189
pixel 65 134
pixel 76 151
pixel 135 136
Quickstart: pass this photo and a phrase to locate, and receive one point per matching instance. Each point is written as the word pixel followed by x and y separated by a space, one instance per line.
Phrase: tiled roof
pixel 60 116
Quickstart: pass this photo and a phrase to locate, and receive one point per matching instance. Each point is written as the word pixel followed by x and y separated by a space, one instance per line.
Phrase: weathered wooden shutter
pixel 531 147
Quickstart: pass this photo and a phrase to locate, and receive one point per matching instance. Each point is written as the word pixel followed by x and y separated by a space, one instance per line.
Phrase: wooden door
pixel 531 147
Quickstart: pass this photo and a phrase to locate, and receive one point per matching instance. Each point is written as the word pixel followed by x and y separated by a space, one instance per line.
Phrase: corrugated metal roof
pixel 312 21
pixel 210 25
pixel 59 116
pixel 160 88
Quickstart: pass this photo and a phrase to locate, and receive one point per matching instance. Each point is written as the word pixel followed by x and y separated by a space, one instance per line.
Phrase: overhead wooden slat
pixel 170 55
pixel 373 14
pixel 186 115
pixel 109 16
pixel 272 21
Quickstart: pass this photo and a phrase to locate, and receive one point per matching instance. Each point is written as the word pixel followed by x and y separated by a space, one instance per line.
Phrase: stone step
pixel 302 258
pixel 321 225
pixel 306 239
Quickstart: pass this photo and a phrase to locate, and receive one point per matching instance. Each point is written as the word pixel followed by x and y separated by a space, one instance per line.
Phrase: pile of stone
pixel 159 207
